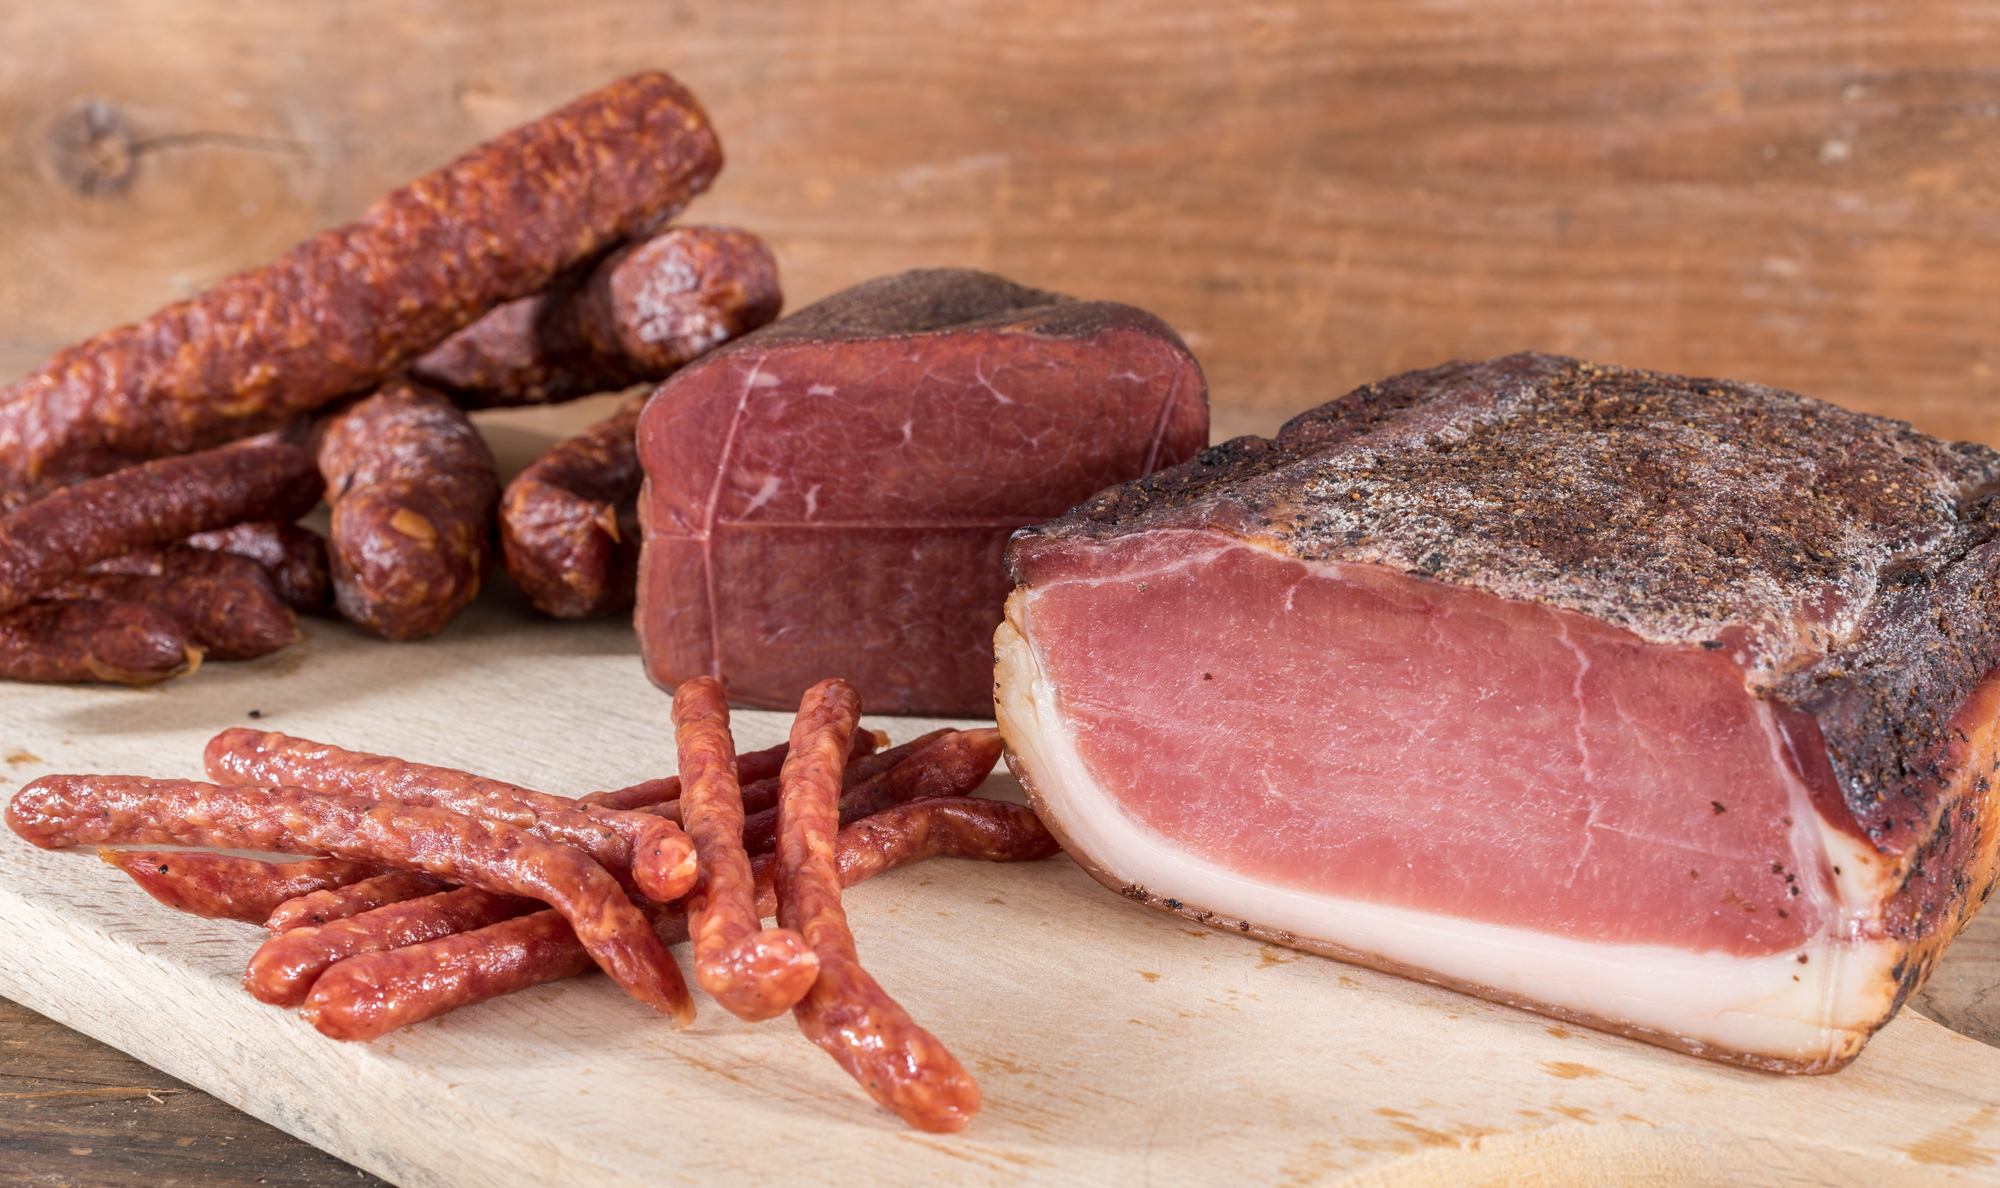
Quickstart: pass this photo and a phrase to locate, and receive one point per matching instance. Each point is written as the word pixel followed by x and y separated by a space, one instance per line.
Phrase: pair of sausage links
pixel 756 973
pixel 367 997
pixel 413 487
pixel 569 523
pixel 226 605
pixel 225 887
pixel 349 307
pixel 284 968
pixel 902 1066
pixel 155 504
pixel 942 763
pixel 57 811
pixel 761 798
pixel 121 643
pixel 294 555
pixel 638 314
pixel 324 907
pixel 756 775
pixel 757 765
pixel 642 850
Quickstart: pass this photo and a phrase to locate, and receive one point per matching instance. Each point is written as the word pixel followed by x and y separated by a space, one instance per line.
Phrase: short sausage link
pixel 569 523
pixel 413 487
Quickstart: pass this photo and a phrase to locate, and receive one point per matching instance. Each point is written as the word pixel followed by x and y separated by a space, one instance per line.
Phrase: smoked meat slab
pixel 1658 704
pixel 832 493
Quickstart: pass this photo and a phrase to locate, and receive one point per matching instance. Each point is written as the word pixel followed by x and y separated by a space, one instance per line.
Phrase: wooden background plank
pixel 1316 193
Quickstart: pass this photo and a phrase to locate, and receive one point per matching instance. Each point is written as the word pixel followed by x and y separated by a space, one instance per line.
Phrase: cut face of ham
pixel 1231 699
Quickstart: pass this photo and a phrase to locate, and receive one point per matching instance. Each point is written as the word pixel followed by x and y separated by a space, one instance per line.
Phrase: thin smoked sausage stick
pixel 756 973
pixel 760 786
pixel 283 969
pixel 948 763
pixel 225 887
pixel 57 811
pixel 324 907
pixel 347 308
pixel 902 1066
pixel 754 766
pixel 369 996
pixel 649 851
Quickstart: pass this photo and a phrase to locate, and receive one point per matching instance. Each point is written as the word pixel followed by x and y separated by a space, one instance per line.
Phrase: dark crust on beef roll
pixel 343 310
pixel 947 300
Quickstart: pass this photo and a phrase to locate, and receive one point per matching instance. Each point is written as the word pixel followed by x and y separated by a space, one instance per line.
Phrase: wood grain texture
pixel 1113 1044
pixel 1317 193
pixel 75 1113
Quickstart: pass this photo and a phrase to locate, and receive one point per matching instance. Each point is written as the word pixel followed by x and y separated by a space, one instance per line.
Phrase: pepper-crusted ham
pixel 832 493
pixel 1664 705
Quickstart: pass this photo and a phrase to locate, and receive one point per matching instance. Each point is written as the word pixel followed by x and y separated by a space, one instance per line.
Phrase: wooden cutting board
pixel 1114 1044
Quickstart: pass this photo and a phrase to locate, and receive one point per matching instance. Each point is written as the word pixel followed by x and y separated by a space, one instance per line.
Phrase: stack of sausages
pixel 428 888
pixel 141 531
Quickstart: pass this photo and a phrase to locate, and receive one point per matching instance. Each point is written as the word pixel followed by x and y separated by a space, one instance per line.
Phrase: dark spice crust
pixel 343 310
pixel 948 300
pixel 1848 561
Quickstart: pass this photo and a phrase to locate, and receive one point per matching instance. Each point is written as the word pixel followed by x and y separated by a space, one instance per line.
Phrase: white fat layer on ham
pixel 1771 1005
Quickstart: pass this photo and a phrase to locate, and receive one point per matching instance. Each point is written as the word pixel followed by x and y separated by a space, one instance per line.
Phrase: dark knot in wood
pixel 94 150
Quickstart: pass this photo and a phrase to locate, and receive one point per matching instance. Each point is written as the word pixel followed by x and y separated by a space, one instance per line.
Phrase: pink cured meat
pixel 833 492
pixel 1659 705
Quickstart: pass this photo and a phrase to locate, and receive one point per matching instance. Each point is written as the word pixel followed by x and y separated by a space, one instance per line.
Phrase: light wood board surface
pixel 1114 1044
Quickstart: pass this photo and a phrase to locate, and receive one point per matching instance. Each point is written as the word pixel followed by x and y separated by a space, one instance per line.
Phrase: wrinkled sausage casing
pixel 569 523
pixel 413 487
pixel 230 611
pixel 123 643
pixel 638 314
pixel 345 309
pixel 66 810
pixel 155 504
pixel 753 972
pixel 295 556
